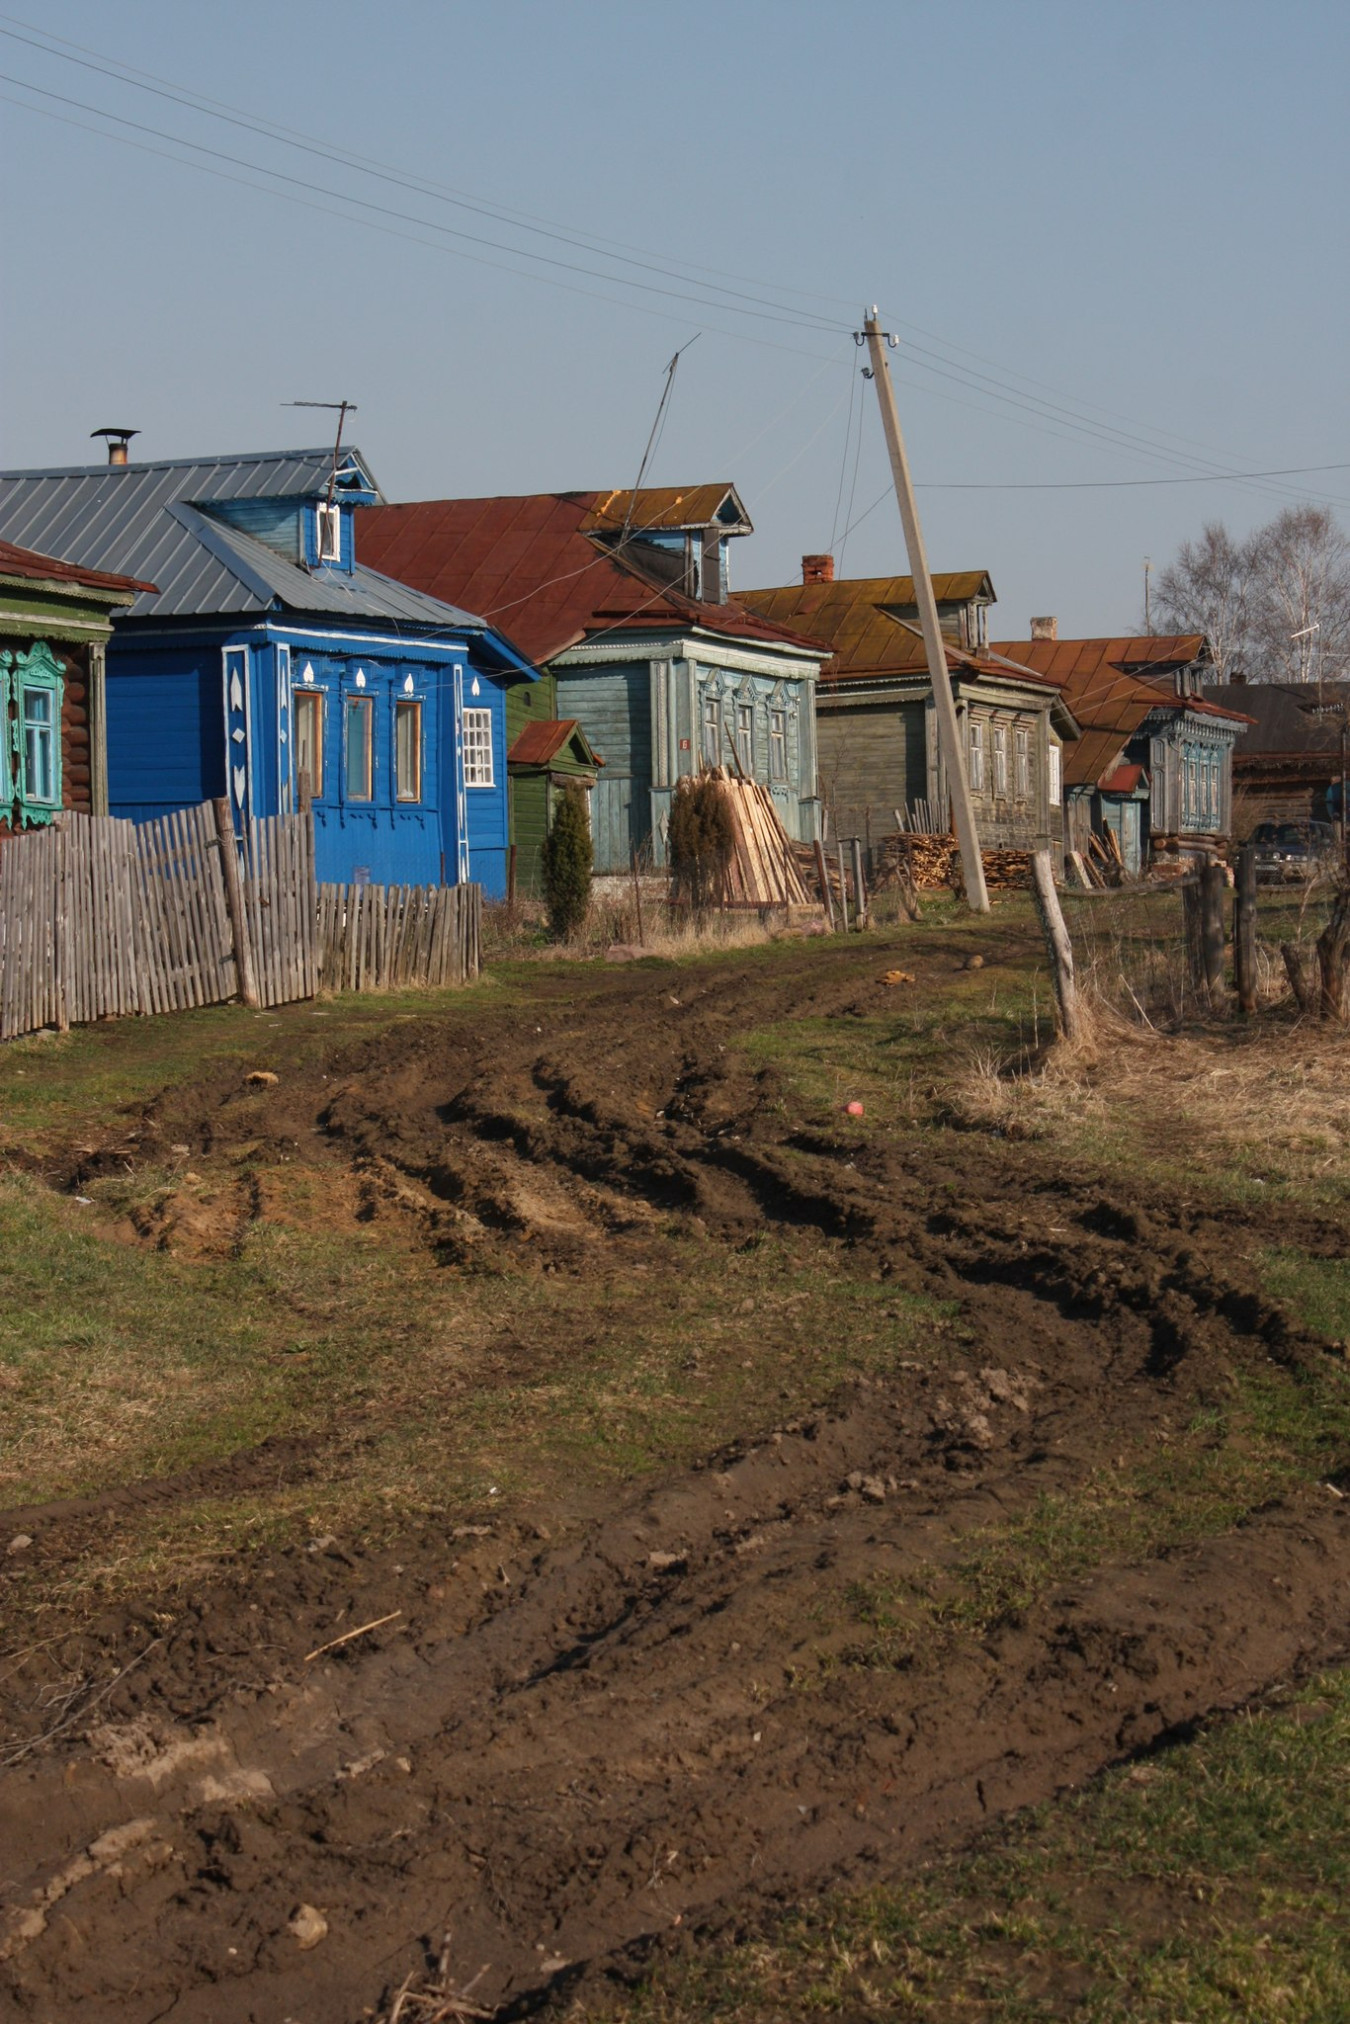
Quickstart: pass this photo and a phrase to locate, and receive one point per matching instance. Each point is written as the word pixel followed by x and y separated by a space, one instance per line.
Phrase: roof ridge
pixel 323 451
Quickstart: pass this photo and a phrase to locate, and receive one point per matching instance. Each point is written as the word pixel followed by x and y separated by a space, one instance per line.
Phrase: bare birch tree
pixel 1275 607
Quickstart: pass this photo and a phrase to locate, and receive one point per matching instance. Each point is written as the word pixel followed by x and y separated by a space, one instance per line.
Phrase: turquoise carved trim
pixel 36 681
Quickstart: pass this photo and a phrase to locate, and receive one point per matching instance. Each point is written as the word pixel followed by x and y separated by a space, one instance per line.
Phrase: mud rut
pixel 626 1736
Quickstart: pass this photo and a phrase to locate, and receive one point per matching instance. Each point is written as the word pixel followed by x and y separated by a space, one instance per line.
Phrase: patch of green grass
pixel 1276 1432
pixel 418 1388
pixel 1204 1886
pixel 1317 1290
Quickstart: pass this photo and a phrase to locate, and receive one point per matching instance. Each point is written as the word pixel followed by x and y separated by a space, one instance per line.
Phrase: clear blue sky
pixel 1135 212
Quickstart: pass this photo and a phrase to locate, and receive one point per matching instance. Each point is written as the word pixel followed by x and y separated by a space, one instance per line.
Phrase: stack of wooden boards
pixel 762 869
pixel 935 861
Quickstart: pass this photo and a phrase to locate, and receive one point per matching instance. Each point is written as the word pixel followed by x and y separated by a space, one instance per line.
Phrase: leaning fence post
pixel 1212 884
pixel 1057 943
pixel 1244 930
pixel 859 884
pixel 234 903
pixel 822 873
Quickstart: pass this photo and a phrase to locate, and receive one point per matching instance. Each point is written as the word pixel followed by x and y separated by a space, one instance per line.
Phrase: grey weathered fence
pixel 279 907
pixel 382 938
pixel 101 917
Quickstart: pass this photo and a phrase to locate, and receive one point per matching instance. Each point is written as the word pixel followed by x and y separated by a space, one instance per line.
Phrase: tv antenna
pixel 341 409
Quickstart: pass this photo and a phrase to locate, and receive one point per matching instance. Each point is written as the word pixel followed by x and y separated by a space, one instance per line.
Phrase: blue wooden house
pixel 622 597
pixel 268 651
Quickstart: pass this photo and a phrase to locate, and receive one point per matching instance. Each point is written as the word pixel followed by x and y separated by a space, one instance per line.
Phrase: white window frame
pixel 1000 767
pixel 711 713
pixel 778 744
pixel 1056 780
pixel 478 763
pixel 328 547
pixel 1022 762
pixel 975 755
pixel 745 738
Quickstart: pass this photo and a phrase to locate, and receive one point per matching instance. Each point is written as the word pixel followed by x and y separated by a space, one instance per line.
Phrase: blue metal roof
pixel 143 520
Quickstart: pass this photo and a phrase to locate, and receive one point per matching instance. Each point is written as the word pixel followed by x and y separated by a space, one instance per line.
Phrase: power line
pixel 1052 417
pixel 411 238
pixel 48 44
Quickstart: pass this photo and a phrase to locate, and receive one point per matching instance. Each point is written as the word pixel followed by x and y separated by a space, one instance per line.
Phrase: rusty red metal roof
pixel 1103 683
pixel 1124 780
pixel 528 567
pixel 541 741
pixel 16 561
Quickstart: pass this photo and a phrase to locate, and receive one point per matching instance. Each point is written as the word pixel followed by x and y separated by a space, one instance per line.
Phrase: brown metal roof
pixel 1102 683
pixel 527 567
pixel 1070 661
pixel 852 616
pixel 27 562
pixel 1282 720
pixel 666 508
pixel 541 741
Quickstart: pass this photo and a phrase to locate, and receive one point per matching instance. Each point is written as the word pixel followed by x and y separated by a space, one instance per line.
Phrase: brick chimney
pixel 1045 628
pixel 817 569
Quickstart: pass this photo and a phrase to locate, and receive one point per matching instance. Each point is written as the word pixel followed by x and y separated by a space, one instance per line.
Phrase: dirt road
pixel 560 1745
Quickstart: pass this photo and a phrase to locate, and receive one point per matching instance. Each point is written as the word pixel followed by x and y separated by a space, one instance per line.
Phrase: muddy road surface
pixel 700 1696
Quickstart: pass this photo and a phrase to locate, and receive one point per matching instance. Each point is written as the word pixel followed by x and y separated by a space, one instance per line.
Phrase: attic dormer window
pixel 330 533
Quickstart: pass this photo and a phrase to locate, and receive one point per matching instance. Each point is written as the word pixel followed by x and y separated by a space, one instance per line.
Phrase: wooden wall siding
pixel 530 703
pixel 76 762
pixel 872 760
pixel 389 938
pixel 529 826
pixel 613 705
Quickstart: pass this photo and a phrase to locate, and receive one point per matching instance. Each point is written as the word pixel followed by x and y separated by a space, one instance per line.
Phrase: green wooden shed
pixel 545 758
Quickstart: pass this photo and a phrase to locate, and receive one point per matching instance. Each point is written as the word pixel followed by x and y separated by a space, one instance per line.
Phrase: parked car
pixel 1289 853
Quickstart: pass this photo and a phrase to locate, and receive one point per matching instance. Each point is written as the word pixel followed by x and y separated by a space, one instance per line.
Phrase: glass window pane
pixel 39 717
pixel 408 751
pixel 308 714
pixel 360 769
pixel 478 748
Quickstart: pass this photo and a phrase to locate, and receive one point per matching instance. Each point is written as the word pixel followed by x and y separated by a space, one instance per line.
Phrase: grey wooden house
pixel 877 737
pixel 622 598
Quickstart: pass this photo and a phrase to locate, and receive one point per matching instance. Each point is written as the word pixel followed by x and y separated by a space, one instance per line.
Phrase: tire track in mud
pixel 662 1720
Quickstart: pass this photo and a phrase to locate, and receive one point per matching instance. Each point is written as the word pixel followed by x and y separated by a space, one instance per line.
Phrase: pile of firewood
pixel 762 868
pixel 934 862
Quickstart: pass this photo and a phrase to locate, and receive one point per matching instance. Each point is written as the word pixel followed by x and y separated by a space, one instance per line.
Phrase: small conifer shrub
pixel 701 839
pixel 568 858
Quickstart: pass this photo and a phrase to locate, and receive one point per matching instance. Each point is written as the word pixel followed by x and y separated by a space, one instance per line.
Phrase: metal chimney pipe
pixel 117 441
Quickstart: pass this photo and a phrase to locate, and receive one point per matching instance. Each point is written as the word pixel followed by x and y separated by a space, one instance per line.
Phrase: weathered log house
pixel 877 722
pixel 55 622
pixel 1155 762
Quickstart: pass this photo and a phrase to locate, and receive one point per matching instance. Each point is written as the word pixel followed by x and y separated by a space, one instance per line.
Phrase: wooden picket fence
pixel 384 938
pixel 279 907
pixel 102 918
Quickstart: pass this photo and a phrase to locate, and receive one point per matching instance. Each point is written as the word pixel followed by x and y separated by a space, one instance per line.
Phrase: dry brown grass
pixel 1267 1104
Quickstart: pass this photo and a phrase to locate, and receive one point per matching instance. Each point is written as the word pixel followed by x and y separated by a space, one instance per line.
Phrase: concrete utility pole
pixel 949 730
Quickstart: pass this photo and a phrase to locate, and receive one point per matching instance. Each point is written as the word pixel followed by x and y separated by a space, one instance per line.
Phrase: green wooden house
pixel 55 621
pixel 545 755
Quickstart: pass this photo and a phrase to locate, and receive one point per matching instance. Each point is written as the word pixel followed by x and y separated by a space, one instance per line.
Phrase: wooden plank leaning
pixel 234 904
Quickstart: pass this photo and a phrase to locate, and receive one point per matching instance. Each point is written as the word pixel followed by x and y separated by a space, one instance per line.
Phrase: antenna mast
pixel 342 409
